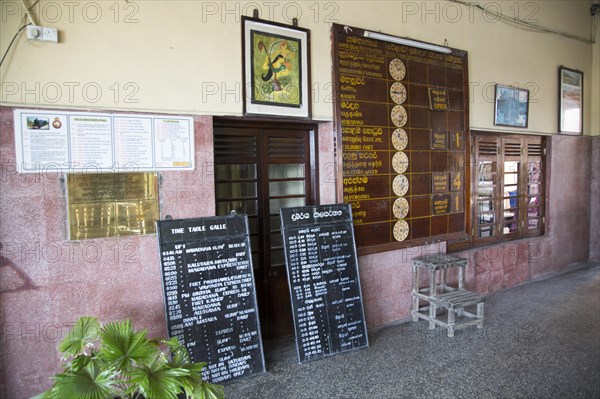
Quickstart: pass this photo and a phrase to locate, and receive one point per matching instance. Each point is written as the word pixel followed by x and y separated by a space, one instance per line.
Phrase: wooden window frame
pixel 501 148
pixel 262 156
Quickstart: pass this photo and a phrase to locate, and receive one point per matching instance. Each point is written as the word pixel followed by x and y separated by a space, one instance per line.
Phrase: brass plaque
pixel 457 203
pixel 438 99
pixel 457 140
pixel 440 204
pixel 439 139
pixel 456 179
pixel 112 204
pixel 439 182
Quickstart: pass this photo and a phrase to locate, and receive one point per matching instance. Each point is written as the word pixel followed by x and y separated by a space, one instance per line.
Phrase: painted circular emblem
pixel 401 230
pixel 398 93
pixel 400 162
pixel 399 116
pixel 400 185
pixel 400 208
pixel 399 139
pixel 397 69
pixel 56 123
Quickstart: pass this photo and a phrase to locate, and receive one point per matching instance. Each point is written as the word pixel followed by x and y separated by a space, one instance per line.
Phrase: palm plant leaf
pixel 122 346
pixel 194 379
pixel 124 363
pixel 180 358
pixel 157 380
pixel 206 390
pixel 79 362
pixel 87 383
pixel 179 354
pixel 83 333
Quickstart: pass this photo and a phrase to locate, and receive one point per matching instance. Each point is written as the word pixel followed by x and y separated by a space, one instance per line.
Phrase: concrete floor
pixel 540 340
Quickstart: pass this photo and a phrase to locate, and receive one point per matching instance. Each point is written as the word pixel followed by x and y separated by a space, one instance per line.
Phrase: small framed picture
pixel 570 101
pixel 276 69
pixel 511 106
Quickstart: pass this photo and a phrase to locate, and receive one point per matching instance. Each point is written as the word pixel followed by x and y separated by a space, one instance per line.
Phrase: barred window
pixel 507 188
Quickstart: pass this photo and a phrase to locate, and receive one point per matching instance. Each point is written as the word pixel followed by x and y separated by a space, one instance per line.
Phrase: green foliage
pixel 285 80
pixel 116 361
pixel 265 88
pixel 88 383
pixel 122 347
pixel 157 379
pixel 208 391
pixel 82 335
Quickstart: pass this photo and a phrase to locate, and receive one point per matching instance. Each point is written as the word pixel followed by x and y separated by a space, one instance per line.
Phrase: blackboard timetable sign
pixel 401 115
pixel 323 278
pixel 209 292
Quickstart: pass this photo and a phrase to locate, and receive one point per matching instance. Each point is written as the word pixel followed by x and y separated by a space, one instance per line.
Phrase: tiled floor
pixel 540 340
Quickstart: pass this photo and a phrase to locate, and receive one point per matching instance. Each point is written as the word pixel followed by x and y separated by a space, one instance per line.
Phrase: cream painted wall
pixel 185 56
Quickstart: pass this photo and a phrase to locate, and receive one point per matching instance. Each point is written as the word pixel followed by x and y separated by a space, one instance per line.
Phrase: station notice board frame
pixel 210 295
pixel 322 271
pixel 91 142
pixel 381 88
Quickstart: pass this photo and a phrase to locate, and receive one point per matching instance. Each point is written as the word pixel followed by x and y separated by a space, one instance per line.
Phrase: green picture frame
pixel 276 69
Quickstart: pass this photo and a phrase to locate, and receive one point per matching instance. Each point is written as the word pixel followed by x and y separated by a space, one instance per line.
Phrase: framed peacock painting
pixel 276 69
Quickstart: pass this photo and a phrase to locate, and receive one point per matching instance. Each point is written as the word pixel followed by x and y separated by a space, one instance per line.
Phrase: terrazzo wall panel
pixel 595 201
pixel 47 282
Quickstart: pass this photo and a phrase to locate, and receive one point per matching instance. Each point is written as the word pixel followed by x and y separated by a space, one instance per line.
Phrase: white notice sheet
pixel 47 140
pixel 91 141
pixel 43 142
pixel 133 142
pixel 173 142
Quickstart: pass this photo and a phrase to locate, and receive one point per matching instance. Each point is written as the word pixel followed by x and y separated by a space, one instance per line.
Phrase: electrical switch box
pixel 42 33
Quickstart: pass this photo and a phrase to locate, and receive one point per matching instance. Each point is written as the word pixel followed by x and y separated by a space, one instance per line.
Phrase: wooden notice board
pixel 210 297
pixel 323 278
pixel 401 115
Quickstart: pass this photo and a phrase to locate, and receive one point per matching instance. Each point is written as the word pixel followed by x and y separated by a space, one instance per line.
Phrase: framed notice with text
pixel 275 69
pixel 80 141
pixel 322 270
pixel 210 294
pixel 570 101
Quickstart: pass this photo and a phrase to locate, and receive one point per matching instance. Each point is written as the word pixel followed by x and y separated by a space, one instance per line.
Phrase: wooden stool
pixel 439 295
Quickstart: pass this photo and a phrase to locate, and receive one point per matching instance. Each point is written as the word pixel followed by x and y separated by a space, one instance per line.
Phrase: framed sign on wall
pixel 511 106
pixel 401 116
pixel 570 101
pixel 275 69
pixel 92 142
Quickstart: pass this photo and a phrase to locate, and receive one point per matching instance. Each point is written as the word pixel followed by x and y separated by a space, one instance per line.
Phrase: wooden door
pixel 259 170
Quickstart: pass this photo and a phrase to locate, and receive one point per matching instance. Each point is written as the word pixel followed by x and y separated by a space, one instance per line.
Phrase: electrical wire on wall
pixel 12 41
pixel 32 21
pixel 528 26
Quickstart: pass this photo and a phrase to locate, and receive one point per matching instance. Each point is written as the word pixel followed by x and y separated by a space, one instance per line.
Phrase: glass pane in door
pixel 258 171
pixel 511 197
pixel 236 189
pixel 534 194
pixel 287 188
pixel 287 171
pixel 486 195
